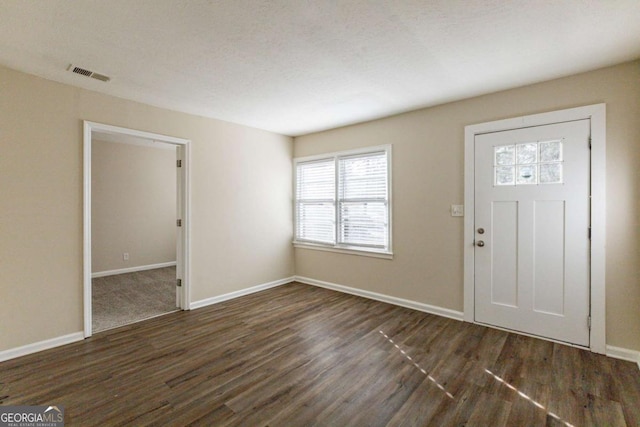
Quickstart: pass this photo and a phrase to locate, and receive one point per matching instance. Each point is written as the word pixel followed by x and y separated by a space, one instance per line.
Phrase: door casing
pixel 184 205
pixel 597 116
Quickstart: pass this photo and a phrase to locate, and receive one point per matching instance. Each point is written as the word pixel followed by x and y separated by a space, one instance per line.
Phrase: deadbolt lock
pixel 480 230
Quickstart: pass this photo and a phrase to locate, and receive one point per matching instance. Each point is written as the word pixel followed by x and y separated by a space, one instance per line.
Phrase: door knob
pixel 480 243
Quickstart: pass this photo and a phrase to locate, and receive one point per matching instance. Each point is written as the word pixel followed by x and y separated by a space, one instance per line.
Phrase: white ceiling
pixel 295 67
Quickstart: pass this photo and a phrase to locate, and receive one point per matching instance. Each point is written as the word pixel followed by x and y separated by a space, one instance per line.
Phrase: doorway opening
pixel 136 227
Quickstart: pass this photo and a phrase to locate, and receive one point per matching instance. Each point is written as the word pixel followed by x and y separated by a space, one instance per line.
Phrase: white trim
pixel 598 227
pixel 117 130
pixel 318 247
pixel 183 299
pixel 24 350
pixel 344 153
pixel 86 242
pixel 132 140
pixel 231 295
pixel 597 115
pixel 426 308
pixel 132 269
pixel 624 354
pixel 88 128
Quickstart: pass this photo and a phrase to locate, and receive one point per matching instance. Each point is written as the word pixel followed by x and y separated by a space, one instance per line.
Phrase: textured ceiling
pixel 295 67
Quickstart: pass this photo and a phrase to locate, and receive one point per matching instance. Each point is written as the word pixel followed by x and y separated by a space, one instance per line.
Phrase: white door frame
pixel 184 201
pixel 597 116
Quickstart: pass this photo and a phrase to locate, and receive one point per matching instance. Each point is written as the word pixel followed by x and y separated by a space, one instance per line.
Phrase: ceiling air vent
pixel 88 73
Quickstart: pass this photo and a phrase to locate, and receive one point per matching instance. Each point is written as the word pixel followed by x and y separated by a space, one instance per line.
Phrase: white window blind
pixel 342 200
pixel 362 200
pixel 315 201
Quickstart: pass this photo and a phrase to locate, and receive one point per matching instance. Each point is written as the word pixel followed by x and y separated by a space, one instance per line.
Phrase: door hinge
pixel 179 163
pixel 589 143
pixel 589 233
pixel 179 283
pixel 589 322
pixel 179 223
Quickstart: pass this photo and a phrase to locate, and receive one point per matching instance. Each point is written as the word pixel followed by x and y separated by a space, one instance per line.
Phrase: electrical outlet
pixel 125 256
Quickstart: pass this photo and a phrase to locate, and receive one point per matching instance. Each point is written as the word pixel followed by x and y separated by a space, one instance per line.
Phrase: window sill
pixel 344 250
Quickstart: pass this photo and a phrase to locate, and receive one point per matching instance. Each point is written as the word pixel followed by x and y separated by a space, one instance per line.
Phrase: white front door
pixel 532 246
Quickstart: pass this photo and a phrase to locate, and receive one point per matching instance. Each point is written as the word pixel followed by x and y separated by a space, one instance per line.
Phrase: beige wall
pixel 241 202
pixel 241 189
pixel 428 169
pixel 133 205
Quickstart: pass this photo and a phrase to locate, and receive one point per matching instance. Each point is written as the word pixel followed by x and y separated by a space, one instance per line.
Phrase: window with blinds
pixel 342 200
pixel 316 201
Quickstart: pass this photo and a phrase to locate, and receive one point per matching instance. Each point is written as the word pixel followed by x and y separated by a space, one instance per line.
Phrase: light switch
pixel 457 210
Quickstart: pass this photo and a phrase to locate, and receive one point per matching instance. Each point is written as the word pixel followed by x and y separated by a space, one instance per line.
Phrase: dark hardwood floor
pixel 297 355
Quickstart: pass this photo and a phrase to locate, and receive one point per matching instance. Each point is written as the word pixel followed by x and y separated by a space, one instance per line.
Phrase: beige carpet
pixel 127 298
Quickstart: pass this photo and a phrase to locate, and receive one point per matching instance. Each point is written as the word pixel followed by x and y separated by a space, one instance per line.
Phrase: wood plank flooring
pixel 297 355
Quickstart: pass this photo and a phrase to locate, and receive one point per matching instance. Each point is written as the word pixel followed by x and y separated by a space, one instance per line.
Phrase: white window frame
pixel 337 247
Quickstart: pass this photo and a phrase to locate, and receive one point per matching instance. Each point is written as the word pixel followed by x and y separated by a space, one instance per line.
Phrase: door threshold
pixel 135 321
pixel 526 334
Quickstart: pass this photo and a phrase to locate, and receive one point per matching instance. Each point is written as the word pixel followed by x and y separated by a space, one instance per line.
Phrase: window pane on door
pixel 529 163
pixel 551 151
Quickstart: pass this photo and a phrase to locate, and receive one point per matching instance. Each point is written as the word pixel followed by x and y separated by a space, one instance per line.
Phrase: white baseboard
pixel 132 269
pixel 12 353
pixel 432 309
pixel 240 293
pixel 612 351
pixel 79 336
pixel 624 354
